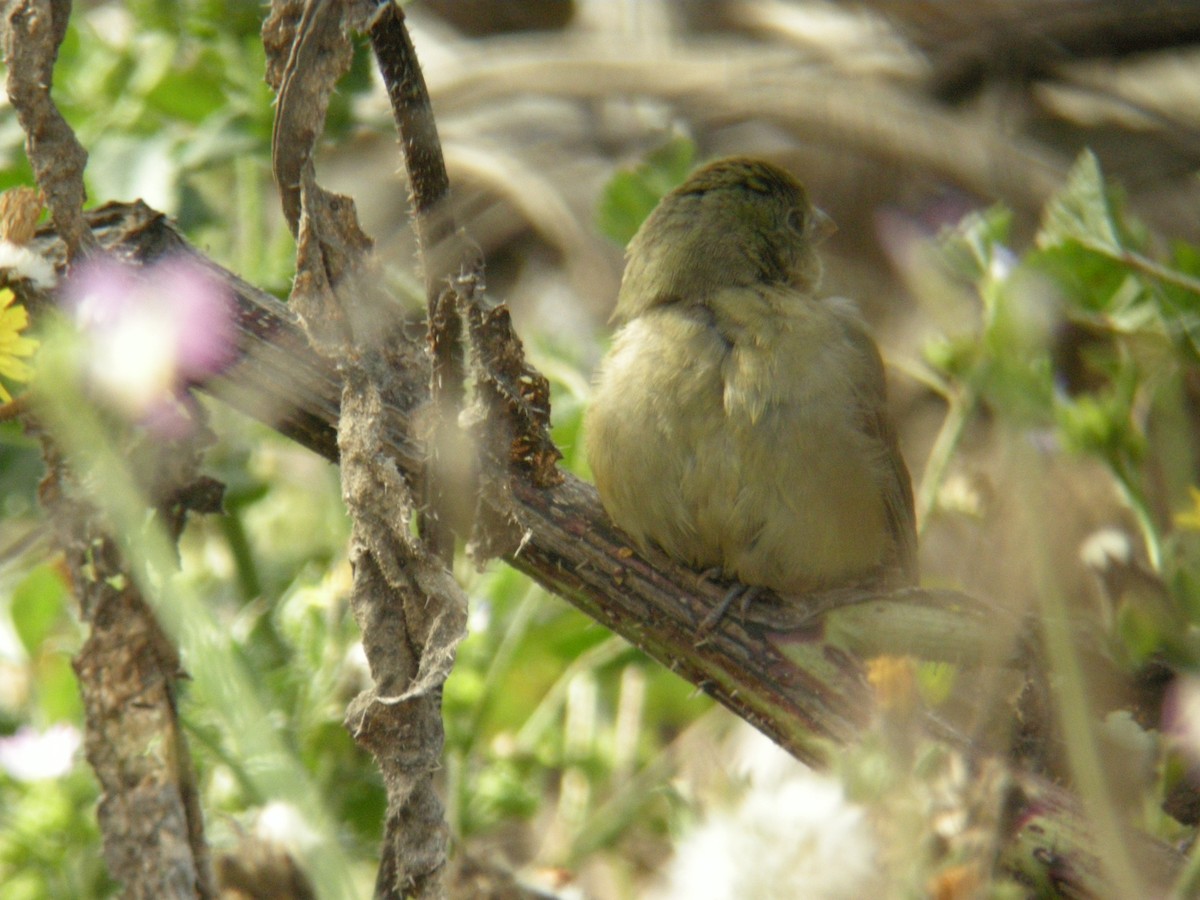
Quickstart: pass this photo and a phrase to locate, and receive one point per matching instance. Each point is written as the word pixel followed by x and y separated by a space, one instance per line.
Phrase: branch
pixel 128 670
pixel 844 112
pixel 411 612
pixel 33 31
pixel 1025 39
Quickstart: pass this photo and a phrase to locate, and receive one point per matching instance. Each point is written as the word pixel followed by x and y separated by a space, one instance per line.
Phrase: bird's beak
pixel 822 225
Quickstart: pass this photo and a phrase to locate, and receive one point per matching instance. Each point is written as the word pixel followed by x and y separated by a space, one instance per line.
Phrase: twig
pixel 511 409
pixel 33 32
pixel 410 611
pixel 440 247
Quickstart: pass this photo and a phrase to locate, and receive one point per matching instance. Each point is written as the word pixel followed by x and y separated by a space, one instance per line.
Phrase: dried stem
pixel 441 247
pixel 411 612
pixel 33 32
pixel 149 814
pixel 128 669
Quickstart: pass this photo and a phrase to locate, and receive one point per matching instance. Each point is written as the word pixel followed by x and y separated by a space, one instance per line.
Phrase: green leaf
pixel 632 193
pixel 1081 211
pixel 1090 279
pixel 954 357
pixel 1101 423
pixel 37 603
pixel 191 95
pixel 972 247
pixel 57 689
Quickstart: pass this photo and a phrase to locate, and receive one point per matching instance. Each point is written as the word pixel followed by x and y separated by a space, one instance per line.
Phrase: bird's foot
pixel 745 592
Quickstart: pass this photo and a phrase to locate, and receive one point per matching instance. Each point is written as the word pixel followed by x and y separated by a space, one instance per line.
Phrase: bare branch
pixel 128 669
pixel 33 31
pixel 411 612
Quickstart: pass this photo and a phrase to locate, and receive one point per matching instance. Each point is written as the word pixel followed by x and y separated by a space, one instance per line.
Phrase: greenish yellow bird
pixel 739 421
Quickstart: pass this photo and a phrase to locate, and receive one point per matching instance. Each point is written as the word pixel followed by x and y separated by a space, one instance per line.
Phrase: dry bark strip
pixel 411 612
pixel 128 670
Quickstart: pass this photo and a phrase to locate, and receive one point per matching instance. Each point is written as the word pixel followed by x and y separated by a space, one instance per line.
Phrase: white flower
pixel 18 262
pixel 31 755
pixel 798 838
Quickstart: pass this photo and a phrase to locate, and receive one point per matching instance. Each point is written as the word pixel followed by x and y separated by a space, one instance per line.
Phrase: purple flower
pixel 150 333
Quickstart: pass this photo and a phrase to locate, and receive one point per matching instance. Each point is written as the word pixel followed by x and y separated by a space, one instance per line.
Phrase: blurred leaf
pixel 506 788
pixel 1189 519
pixel 975 248
pixel 632 193
pixel 1101 423
pixel 1081 211
pixel 935 681
pixel 1091 250
pixel 191 94
pixel 952 357
pixel 1185 257
pixel 1087 277
pixel 1015 373
pixel 57 689
pixel 45 825
pixel 37 604
pixel 1180 303
pixel 1140 633
pixel 1185 588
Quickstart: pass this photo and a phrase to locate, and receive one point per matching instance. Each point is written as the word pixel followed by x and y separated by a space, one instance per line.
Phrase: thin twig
pixel 33 32
pixel 435 229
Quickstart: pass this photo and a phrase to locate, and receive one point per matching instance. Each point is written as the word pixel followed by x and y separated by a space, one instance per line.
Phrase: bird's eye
pixel 796 220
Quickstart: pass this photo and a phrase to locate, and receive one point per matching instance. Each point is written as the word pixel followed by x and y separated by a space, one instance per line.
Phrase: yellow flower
pixel 1189 519
pixel 13 320
pixel 894 679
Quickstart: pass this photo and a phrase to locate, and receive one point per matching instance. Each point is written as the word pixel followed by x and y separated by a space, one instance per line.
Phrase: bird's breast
pixel 729 442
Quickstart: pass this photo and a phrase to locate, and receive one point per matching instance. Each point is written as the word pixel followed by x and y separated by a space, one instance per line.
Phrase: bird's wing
pixel 877 425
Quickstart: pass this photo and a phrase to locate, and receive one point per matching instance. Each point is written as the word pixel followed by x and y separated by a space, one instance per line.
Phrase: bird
pixel 739 421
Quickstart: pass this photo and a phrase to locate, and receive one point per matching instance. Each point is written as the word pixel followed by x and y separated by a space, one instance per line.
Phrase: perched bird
pixel 739 420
